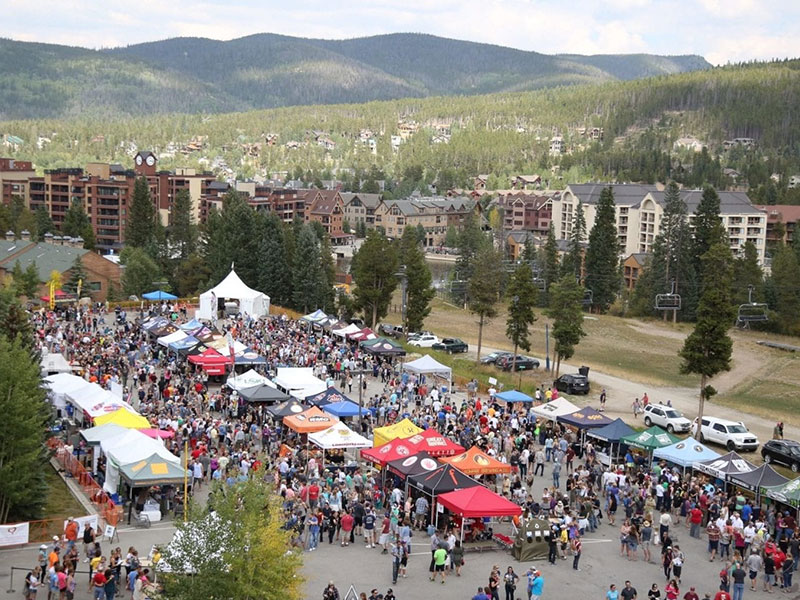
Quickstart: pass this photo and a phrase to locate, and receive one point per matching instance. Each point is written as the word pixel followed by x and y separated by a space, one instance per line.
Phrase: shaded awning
pixel 613 432
pixel 763 476
pixel 650 439
pixel 413 465
pixel 476 462
pixel 309 421
pixel 477 502
pixel 153 470
pixel 124 418
pixel 513 396
pixel 338 435
pixel 401 429
pixel 727 464
pixel 444 479
pixel 585 418
pixel 263 393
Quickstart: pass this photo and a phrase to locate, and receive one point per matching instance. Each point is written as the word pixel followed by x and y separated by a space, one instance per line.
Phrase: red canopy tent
pixel 212 361
pixel 430 441
pixel 388 452
pixel 364 334
pixel 477 502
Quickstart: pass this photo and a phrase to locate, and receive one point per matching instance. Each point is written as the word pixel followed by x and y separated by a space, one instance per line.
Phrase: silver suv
pixel 666 417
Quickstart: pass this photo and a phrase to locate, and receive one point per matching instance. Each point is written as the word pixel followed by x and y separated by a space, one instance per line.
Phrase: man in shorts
pixel 369 528
pixel 439 560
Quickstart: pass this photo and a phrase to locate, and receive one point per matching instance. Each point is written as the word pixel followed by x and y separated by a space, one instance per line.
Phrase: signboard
pixel 94 520
pixel 109 532
pixel 14 535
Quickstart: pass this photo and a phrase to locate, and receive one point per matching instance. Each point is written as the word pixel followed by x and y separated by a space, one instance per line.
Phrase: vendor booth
pixel 609 436
pixel 383 347
pixel 338 435
pixel 345 408
pixel 211 361
pixel 476 462
pixel 554 409
pixel 248 356
pixel 185 345
pixel 385 453
pixel 249 379
pixel 685 453
pixel 299 382
pixel 309 421
pixel 61 384
pixel 159 295
pixel 477 502
pixel 427 365
pixel 650 440
pixel 723 466
pixel 126 449
pixel 513 396
pixel 434 443
pixel 291 407
pixel 54 363
pixel 315 318
pixel 585 418
pixel 263 393
pixel 445 478
pixel 329 396
pixel 347 330
pixel 250 302
pixel 124 418
pixel 418 464
pixel 753 481
pixel 788 493
pixel 402 429
pixel 532 541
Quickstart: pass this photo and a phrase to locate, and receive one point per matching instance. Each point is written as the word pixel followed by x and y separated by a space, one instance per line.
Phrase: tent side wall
pixel 206 310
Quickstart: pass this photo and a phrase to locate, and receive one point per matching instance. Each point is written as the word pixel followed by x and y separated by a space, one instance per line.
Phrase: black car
pixel 493 357
pixel 451 345
pixel 523 363
pixel 785 452
pixel 572 384
pixel 394 331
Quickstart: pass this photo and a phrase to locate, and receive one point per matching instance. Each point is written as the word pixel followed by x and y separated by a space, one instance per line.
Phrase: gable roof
pixel 788 213
pixel 325 202
pixel 48 257
pixel 625 194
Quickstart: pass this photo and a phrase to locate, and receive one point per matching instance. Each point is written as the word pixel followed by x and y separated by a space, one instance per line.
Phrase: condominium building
pixel 435 214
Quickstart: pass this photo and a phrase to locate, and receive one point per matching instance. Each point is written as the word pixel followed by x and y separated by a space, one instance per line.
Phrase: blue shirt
pixel 537 585
pixel 747 510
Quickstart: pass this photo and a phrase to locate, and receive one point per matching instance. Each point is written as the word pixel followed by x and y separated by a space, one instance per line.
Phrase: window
pixel 95 286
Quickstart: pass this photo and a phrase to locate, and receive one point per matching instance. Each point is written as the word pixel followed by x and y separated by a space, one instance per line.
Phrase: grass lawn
pixel 59 503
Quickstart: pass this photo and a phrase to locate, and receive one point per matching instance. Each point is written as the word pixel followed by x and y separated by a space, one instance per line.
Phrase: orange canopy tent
pixel 309 421
pixel 476 462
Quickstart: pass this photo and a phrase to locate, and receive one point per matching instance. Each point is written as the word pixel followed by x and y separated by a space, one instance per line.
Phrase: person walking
pixel 535 584
pixel 577 546
pixel 556 473
pixel 439 560
pixel 397 557
pixel 738 575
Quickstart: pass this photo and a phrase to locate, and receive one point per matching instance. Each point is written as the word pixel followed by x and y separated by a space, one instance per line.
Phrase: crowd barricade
pixel 108 510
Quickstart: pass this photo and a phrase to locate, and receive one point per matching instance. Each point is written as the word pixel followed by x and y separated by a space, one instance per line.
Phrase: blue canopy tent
pixel 192 325
pixel 611 434
pixel 685 453
pixel 184 345
pixel 159 295
pixel 513 396
pixel 249 357
pixel 329 396
pixel 585 418
pixel 342 409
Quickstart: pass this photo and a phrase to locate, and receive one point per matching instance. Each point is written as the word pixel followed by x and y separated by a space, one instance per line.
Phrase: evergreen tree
pixel 44 224
pixel 77 273
pixel 24 426
pixel 602 254
pixel 470 239
pixel 275 273
pixel 89 241
pixel 191 276
pixel 419 291
pixel 140 271
pixel 484 288
pixel 707 227
pixel 307 271
pixel 747 272
pixel 550 267
pixel 707 350
pixel 567 314
pixel 231 239
pixel 76 221
pixel 374 269
pixel 140 229
pixel 784 283
pixel 522 295
pixel 451 237
pixel 327 275
pixel 182 232
pixel 573 259
pixel 528 251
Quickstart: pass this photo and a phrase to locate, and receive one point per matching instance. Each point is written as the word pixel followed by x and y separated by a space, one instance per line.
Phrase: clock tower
pixel 145 163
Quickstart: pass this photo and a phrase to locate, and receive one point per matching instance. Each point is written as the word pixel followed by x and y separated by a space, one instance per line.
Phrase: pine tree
pixel 567 314
pixel 573 259
pixel 275 273
pixel 76 220
pixel 327 275
pixel 602 255
pixel 77 273
pixel 522 295
pixel 140 229
pixel 784 283
pixel 44 224
pixel 182 232
pixel 470 239
pixel 747 272
pixel 550 265
pixel 306 271
pixel 231 238
pixel 419 291
pixel 23 428
pixel 140 271
pixel 484 288
pixel 707 350
pixel 374 269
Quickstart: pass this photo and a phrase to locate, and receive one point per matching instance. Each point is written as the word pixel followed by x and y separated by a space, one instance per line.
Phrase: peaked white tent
pixel 338 435
pixel 175 336
pixel 299 382
pixel 61 384
pixel 345 331
pixel 54 362
pixel 251 378
pixel 128 448
pixel 555 408
pixel 427 365
pixel 251 302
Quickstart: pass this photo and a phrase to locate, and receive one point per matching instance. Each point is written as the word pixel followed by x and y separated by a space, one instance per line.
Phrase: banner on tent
pixel 14 535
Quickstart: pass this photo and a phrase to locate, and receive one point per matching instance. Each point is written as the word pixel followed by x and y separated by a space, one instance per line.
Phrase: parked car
pixel 394 331
pixel 523 363
pixel 451 345
pixel 572 384
pixel 785 452
pixel 426 340
pixel 493 357
pixel 731 434
pixel 666 417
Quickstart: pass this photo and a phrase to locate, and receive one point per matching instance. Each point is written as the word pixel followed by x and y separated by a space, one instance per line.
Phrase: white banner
pixel 94 520
pixel 14 535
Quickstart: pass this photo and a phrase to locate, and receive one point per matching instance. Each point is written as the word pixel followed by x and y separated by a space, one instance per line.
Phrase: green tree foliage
pixel 77 273
pixel 231 239
pixel 276 272
pixel 245 553
pixel 140 271
pixel 747 272
pixel 567 314
pixel 784 282
pixel 182 232
pixel 419 290
pixel 25 281
pixel 76 221
pixel 602 255
pixel 549 263
pixel 307 271
pixel 522 296
pixel 191 276
pixel 484 287
pixel 327 276
pixel 451 237
pixel 140 227
pixel 25 415
pixel 374 269
pixel 470 240
pixel 572 262
pixel 707 350
pixel 44 224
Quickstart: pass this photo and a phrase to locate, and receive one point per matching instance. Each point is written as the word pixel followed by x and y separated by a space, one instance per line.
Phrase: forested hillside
pixel 267 70
pixel 498 133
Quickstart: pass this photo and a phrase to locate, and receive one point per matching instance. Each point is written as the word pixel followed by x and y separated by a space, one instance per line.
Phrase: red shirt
pixel 347 522
pixel 722 596
pixel 99 579
pixel 696 516
pixel 313 491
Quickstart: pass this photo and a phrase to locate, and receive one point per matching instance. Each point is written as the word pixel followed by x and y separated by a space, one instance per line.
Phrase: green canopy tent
pixel 153 470
pixel 383 347
pixel 788 493
pixel 650 440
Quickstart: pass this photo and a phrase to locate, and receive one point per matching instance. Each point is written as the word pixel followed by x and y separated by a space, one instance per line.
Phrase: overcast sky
pixel 720 30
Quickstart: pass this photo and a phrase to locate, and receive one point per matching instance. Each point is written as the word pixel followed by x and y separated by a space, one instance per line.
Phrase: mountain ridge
pixel 266 70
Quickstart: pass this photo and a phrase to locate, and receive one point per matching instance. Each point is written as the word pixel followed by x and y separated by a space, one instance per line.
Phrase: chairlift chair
pixel 670 301
pixel 587 297
pixel 751 312
pixel 539 283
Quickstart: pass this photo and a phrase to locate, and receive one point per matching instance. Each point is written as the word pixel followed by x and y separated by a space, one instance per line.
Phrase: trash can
pixel 584 370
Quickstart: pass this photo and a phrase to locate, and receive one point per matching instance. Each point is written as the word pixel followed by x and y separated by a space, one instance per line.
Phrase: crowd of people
pixel 346 503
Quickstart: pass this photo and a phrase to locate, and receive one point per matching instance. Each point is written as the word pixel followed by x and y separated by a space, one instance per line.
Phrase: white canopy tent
pixel 345 331
pixel 175 336
pixel 248 379
pixel 555 408
pixel 95 436
pixel 127 448
pixel 299 382
pixel 338 436
pixel 427 365
pixel 62 384
pixel 96 401
pixel 54 362
pixel 251 302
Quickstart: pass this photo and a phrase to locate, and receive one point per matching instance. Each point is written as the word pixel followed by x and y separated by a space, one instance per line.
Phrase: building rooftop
pixel 625 194
pixel 48 257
